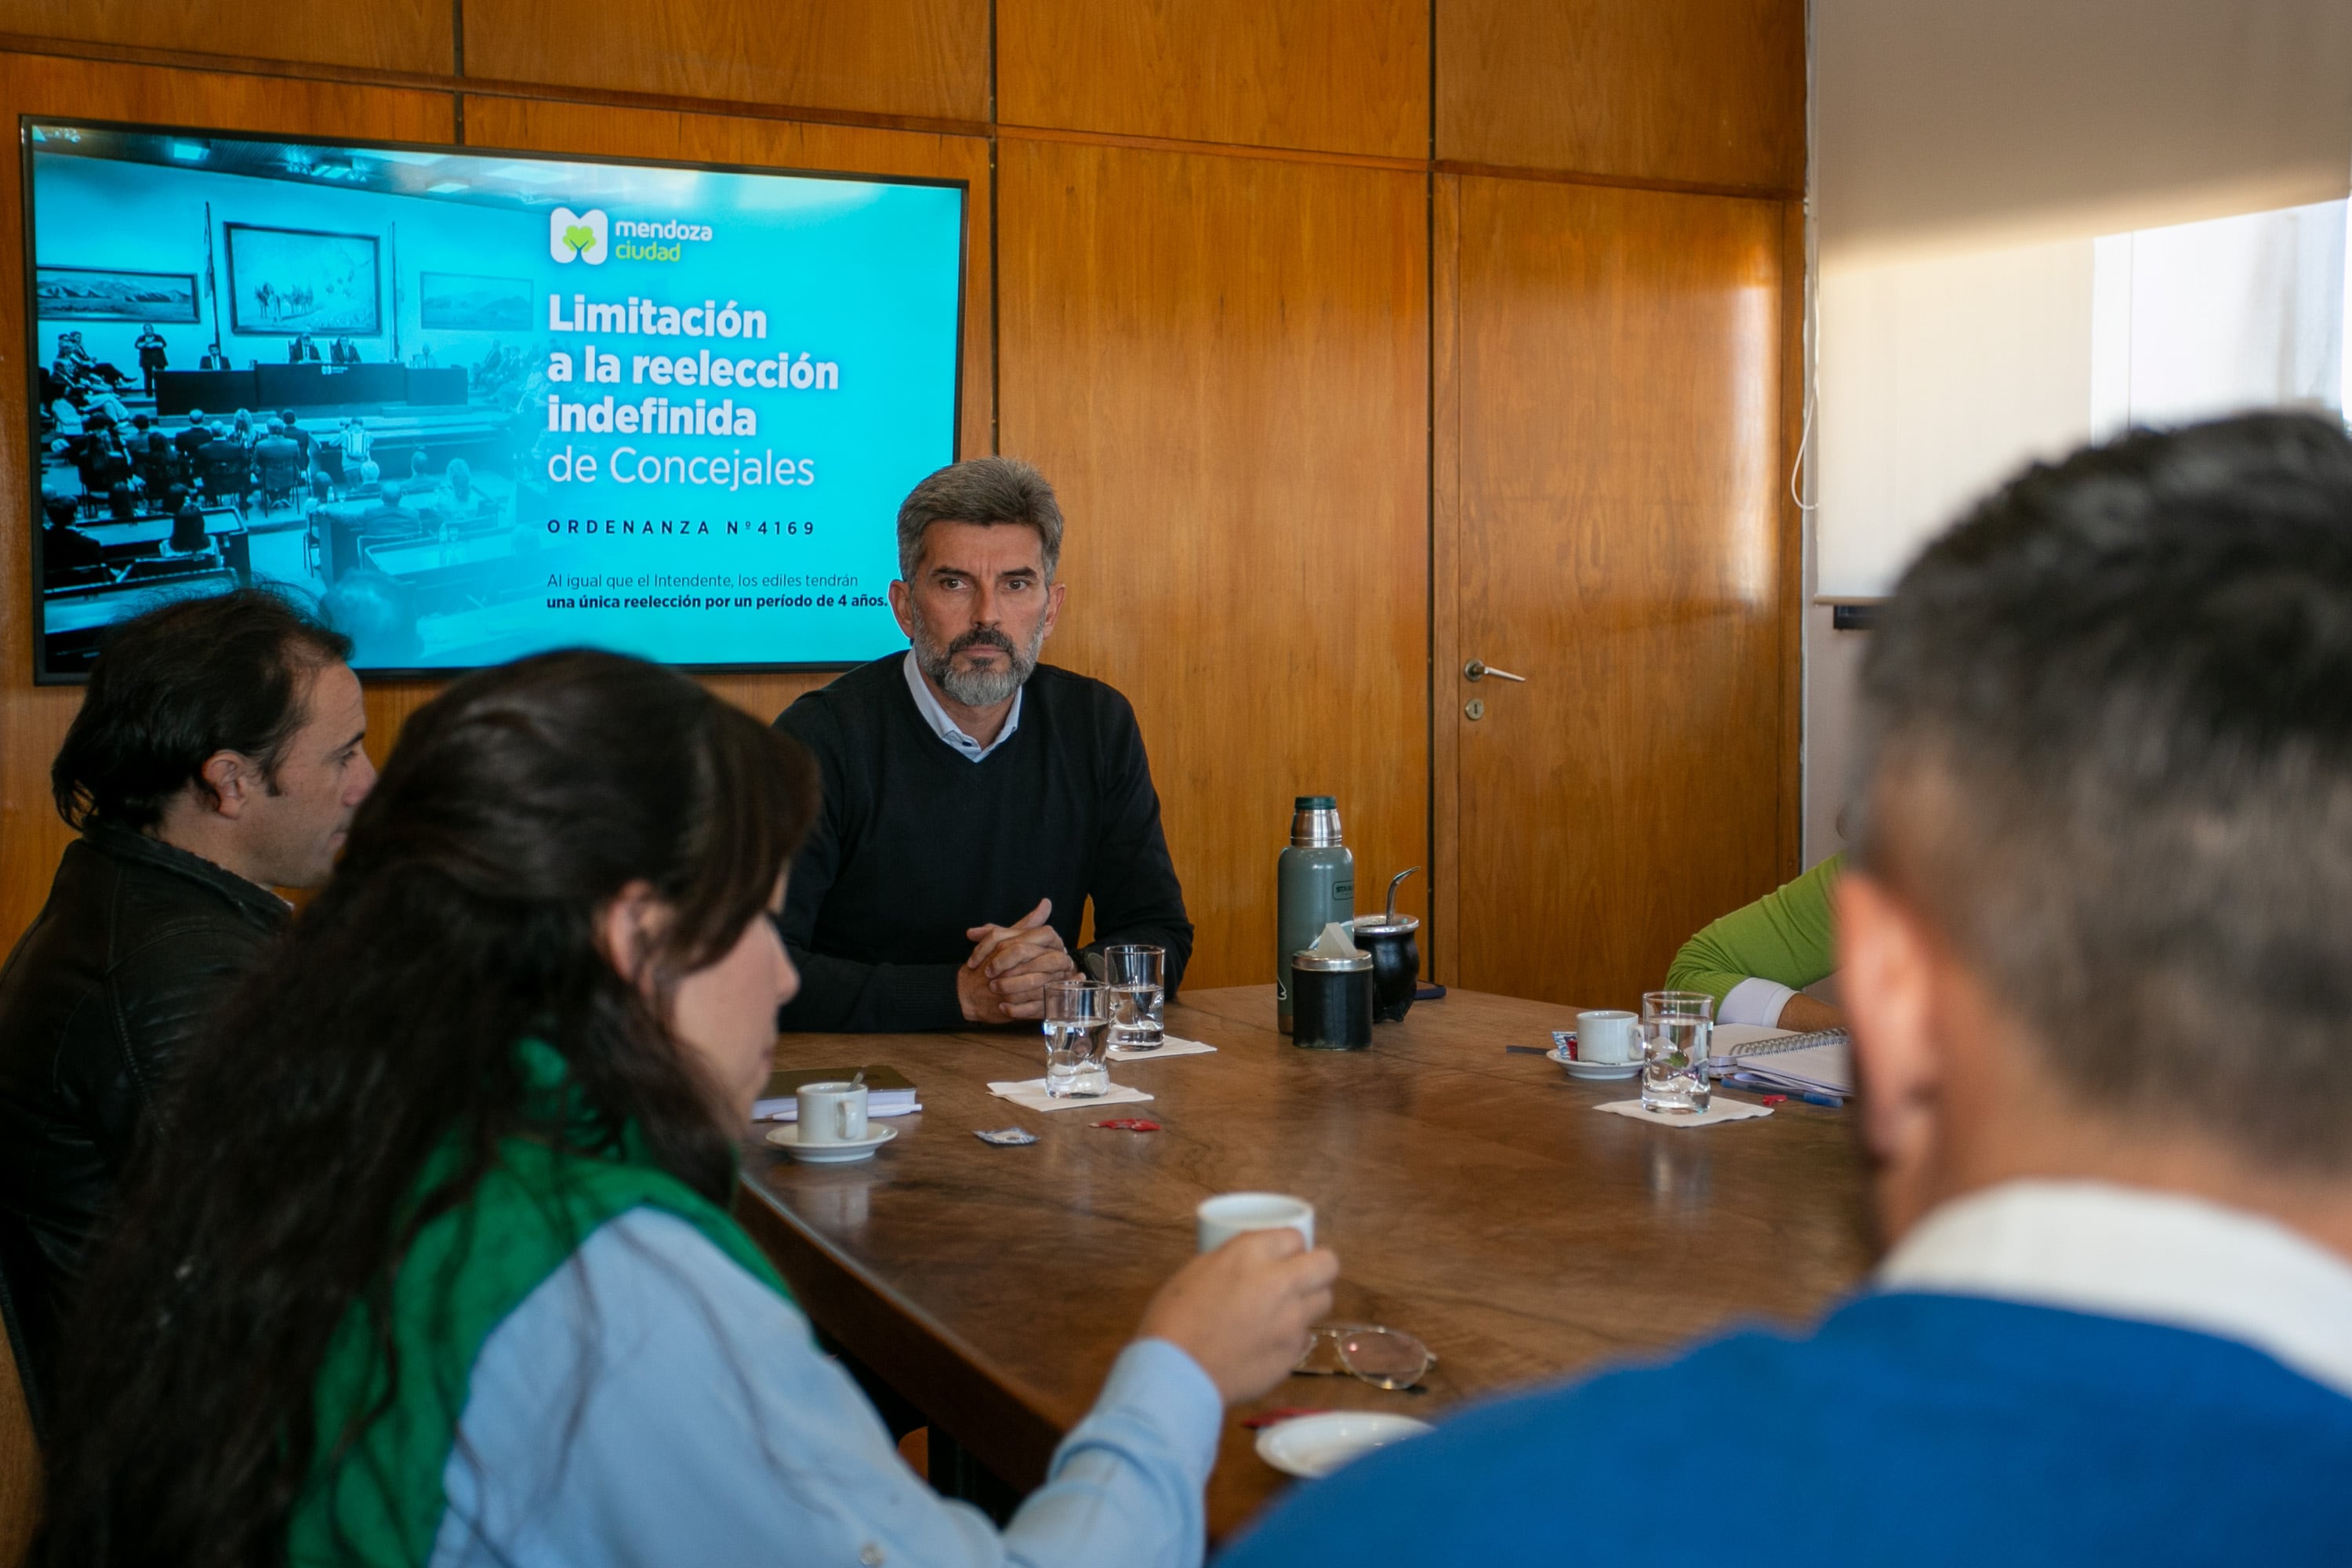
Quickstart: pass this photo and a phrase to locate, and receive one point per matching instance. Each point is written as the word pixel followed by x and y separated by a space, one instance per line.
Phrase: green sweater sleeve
pixel 1785 936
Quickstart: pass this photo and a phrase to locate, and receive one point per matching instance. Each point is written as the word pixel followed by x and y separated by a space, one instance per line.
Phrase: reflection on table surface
pixel 1475 1199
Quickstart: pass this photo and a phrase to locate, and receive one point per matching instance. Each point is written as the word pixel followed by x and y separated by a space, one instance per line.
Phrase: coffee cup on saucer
pixel 1605 1036
pixel 832 1112
pixel 1220 1219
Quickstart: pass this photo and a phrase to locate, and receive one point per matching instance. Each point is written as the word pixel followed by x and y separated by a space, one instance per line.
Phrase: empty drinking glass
pixel 1137 975
pixel 1677 1028
pixel 1077 1015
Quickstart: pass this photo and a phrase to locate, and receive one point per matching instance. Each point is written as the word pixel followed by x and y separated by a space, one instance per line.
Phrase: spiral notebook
pixel 1818 1063
pixel 888 1091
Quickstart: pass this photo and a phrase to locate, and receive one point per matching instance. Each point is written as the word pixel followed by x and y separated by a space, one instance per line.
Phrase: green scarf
pixel 380 1502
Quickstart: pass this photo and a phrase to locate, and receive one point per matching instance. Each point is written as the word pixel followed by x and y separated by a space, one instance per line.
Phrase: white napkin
pixel 1720 1109
pixel 1031 1093
pixel 1170 1046
pixel 1335 943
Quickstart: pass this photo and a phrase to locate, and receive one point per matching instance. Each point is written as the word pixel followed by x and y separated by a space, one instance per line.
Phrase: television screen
pixel 468 406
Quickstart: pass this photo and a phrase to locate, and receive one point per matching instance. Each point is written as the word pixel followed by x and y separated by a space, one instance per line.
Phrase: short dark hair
pixel 224 673
pixel 2108 723
pixel 985 490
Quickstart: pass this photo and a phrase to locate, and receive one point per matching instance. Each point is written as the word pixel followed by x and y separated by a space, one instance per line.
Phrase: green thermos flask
pixel 1315 884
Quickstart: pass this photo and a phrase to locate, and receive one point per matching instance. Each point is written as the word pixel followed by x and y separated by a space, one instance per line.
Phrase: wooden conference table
pixel 1474 1196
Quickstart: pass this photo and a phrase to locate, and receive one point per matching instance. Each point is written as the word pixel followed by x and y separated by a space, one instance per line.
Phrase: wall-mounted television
pixel 471 404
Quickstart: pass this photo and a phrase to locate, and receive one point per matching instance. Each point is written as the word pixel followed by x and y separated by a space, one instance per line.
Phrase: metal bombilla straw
pixel 1393 883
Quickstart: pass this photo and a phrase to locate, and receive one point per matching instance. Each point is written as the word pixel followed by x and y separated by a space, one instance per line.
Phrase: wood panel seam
pixel 1445 523
pixel 1614 181
pixel 434 81
pixel 1216 148
pixel 456 82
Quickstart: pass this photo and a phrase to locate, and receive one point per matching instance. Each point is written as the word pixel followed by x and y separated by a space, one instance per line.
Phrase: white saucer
pixel 1608 1071
pixel 1315 1445
pixel 788 1137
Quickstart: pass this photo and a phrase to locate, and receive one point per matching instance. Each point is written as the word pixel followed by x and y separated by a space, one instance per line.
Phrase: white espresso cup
pixel 1228 1215
pixel 1608 1036
pixel 831 1112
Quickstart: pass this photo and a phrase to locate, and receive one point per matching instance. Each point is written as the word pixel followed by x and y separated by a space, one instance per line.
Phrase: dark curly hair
pixel 224 673
pixel 516 805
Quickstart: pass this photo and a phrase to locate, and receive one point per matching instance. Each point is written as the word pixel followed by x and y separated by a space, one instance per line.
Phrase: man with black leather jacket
pixel 216 756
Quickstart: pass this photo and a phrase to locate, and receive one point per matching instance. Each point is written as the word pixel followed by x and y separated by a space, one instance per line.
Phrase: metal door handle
pixel 1479 669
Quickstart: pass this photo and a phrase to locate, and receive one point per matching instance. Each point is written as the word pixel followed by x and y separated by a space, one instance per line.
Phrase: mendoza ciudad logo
pixel 581 237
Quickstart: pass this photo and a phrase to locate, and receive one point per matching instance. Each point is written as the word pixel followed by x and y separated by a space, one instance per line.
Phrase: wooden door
pixel 1610 472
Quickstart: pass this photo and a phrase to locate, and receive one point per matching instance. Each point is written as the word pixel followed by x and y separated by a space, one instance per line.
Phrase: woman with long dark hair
pixel 435 1267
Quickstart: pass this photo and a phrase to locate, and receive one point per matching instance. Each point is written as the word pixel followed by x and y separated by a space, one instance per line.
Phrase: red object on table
pixel 1130 1124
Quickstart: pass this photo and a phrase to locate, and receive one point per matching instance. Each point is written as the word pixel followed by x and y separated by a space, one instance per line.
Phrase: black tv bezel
pixel 43 675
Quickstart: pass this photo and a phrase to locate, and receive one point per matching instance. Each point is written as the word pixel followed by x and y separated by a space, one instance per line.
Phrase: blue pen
pixel 1764 1086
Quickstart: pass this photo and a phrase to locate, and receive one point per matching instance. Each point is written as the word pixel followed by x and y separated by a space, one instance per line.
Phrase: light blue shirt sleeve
pixel 652 1403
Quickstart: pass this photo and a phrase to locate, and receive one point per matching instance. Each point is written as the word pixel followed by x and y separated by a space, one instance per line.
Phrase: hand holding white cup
pixel 1228 1215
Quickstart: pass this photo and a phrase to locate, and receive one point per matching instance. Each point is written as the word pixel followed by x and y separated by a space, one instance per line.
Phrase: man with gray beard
pixel 974 798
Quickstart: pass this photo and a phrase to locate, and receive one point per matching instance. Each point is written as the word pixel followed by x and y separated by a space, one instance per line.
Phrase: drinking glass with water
pixel 1677 1030
pixel 1137 975
pixel 1077 1015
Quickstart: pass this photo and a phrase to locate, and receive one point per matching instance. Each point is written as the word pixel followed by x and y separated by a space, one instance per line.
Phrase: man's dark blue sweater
pixel 917 843
pixel 1914 1429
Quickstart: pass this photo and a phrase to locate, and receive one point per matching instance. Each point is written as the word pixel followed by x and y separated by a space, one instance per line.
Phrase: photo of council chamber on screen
pixel 391 382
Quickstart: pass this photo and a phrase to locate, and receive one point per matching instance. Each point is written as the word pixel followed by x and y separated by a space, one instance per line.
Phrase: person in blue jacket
pixel 2098 961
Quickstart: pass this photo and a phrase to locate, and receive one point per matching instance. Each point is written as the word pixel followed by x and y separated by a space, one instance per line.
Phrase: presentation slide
pixel 472 405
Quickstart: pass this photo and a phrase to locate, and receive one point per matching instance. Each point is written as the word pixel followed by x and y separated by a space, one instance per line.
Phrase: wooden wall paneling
pixel 536 125
pixel 1709 92
pixel 1220 362
pixel 412 35
pixel 1622 547
pixel 1343 76
pixel 1795 375
pixel 923 58
pixel 1440 948
pixel 33 719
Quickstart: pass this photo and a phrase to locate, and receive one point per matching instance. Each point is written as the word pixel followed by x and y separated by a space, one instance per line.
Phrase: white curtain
pixel 2201 319
pixel 2011 205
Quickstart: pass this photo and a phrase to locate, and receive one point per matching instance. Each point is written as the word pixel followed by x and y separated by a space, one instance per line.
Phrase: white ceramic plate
pixel 1609 1071
pixel 788 1137
pixel 1315 1445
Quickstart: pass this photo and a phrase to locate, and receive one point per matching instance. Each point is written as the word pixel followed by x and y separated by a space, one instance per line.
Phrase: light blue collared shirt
pixel 652 1404
pixel 944 727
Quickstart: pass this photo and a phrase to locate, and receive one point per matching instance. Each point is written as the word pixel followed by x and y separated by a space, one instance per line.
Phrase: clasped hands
pixel 1010 967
